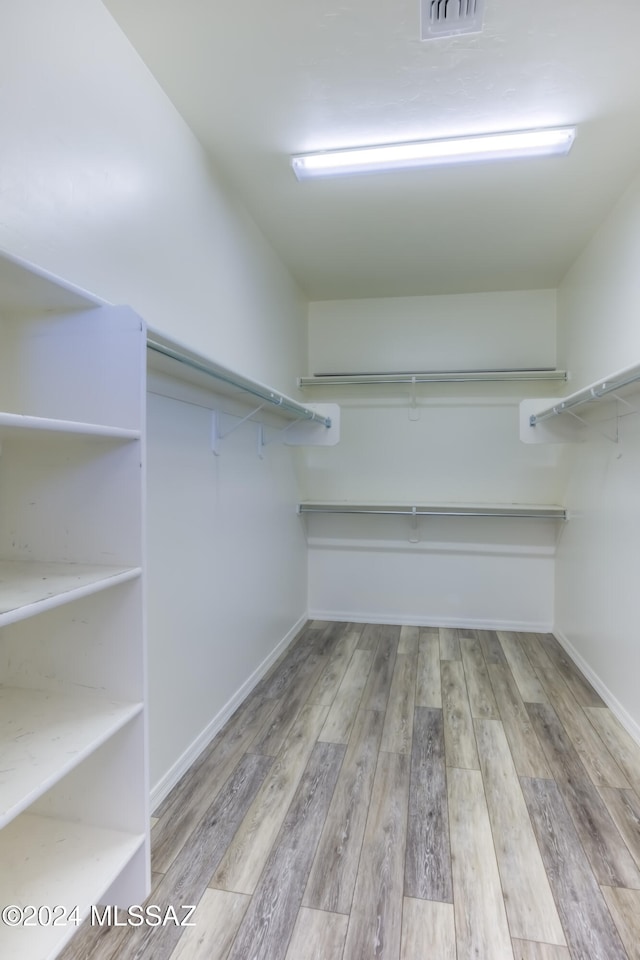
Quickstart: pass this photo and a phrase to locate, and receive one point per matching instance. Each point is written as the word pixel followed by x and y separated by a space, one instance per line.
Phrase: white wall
pixel 598 563
pixel 514 329
pixel 104 185
pixel 463 447
pixel 226 564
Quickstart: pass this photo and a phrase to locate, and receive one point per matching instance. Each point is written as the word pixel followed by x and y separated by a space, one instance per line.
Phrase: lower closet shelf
pixel 28 588
pixel 52 862
pixel 45 735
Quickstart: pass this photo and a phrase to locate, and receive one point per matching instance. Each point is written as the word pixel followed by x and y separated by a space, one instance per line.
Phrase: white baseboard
pixel 193 751
pixel 351 616
pixel 625 718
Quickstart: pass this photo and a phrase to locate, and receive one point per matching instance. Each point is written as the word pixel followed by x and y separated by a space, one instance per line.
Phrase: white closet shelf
pixel 627 378
pixel 19 425
pixel 203 371
pixel 44 735
pixel 524 510
pixel 549 426
pixel 50 861
pixel 27 589
pixel 434 376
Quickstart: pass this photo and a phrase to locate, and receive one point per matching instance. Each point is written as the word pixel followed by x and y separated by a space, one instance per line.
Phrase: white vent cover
pixel 448 18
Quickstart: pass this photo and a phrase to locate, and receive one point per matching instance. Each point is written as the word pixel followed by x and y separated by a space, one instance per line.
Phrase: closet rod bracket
pixel 216 433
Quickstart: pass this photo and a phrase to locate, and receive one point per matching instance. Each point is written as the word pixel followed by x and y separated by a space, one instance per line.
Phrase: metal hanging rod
pixel 438 510
pixel 445 376
pixel 594 392
pixel 223 375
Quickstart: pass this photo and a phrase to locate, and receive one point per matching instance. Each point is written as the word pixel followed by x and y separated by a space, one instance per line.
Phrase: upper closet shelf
pixel 534 425
pixel 27 289
pixel 228 381
pixel 439 376
pixel 538 511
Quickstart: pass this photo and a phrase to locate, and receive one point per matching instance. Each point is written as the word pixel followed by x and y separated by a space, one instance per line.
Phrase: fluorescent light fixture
pixel 400 156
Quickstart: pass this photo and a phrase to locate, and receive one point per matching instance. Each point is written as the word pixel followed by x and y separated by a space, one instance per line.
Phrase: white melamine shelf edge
pixel 44 735
pixel 522 510
pixel 27 589
pixel 15 424
pixel 197 368
pixel 55 862
pixel 434 376
pixel 629 377
pixel 26 287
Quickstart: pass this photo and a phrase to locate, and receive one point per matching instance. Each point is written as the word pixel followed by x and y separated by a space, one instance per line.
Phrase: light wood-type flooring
pixel 409 793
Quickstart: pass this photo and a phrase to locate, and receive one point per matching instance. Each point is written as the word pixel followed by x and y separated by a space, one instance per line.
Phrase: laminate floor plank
pixel 620 744
pixel 335 867
pixel 598 762
pixel 428 930
pixel 317 935
pixel 491 646
pixel 570 672
pixel 376 693
pixel 527 753
pixel 217 918
pixel 523 673
pixel 481 698
pixel 271 740
pixel 324 643
pixel 344 709
pixel 449 644
pixel 589 929
pixel 375 921
pixel 428 682
pixel 624 807
pixel 398 723
pixel 282 674
pixel 625 910
pixel 481 922
pixel 186 879
pixel 230 740
pixel 608 855
pixel 428 855
pixel 409 638
pixel 246 855
pixel 459 737
pixel 189 803
pixel 529 902
pixel 531 950
pixel 372 634
pixel 331 677
pixel 268 924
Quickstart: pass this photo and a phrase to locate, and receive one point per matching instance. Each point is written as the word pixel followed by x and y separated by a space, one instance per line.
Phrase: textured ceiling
pixel 258 81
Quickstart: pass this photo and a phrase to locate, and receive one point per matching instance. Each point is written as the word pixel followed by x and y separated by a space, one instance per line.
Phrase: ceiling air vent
pixel 449 18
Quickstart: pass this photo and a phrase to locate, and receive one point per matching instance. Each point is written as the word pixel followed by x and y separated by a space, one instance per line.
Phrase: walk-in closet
pixel 319 511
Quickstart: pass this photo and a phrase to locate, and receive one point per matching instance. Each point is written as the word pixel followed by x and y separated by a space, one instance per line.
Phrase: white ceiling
pixel 258 80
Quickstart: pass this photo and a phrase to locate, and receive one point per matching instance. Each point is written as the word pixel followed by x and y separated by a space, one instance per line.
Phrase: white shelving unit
pixel 73 771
